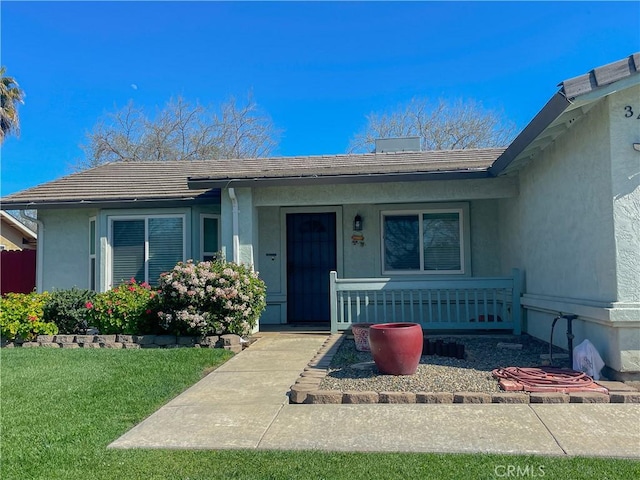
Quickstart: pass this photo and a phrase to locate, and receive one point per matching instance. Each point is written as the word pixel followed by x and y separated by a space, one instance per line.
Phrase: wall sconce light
pixel 357 223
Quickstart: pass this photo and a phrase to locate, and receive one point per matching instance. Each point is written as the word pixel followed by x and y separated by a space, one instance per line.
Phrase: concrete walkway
pixel 243 404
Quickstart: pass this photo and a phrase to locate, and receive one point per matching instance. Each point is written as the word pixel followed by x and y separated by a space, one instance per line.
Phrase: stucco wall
pixel 269 264
pixel 560 227
pixel 64 244
pixel 361 260
pixel 485 239
pixel 575 231
pixel 393 192
pixel 356 260
pixel 365 260
pixel 625 180
pixel 65 259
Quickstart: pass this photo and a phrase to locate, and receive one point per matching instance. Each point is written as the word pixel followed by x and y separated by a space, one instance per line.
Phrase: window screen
pixel 128 251
pixel 145 248
pixel 165 246
pixel 441 233
pixel 401 242
pixel 423 242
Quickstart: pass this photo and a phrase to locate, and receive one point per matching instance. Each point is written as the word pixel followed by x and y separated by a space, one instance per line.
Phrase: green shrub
pixel 21 317
pixel 129 308
pixel 210 298
pixel 68 309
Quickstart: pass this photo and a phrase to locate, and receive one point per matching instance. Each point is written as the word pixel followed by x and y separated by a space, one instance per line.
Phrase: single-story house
pixel 17 255
pixel 14 235
pixel 489 238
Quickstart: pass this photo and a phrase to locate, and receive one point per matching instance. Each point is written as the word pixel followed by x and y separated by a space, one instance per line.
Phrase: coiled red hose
pixel 536 379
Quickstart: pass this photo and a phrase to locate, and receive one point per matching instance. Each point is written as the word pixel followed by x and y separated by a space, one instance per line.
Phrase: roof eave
pixel 26 231
pixel 552 110
pixel 106 203
pixel 575 93
pixel 601 77
pixel 209 182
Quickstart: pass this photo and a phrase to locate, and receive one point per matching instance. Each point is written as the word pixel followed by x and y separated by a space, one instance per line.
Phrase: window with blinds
pixel 165 246
pixel 143 248
pixel 423 242
pixel 441 241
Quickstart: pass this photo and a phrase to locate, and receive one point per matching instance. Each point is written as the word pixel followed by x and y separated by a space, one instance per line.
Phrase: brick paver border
pixel 227 342
pixel 306 389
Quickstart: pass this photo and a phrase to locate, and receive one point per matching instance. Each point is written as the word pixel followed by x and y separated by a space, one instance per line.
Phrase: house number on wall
pixel 628 112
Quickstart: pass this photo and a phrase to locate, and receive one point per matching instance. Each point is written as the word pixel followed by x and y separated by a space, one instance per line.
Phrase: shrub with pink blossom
pixel 129 308
pixel 208 298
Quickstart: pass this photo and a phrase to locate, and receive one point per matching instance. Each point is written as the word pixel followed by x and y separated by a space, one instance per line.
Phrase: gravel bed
pixel 354 370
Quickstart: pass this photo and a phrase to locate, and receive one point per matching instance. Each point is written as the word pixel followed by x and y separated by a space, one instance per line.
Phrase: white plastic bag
pixel 587 359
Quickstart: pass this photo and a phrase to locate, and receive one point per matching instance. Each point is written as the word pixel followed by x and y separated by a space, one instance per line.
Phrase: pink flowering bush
pixel 210 298
pixel 130 308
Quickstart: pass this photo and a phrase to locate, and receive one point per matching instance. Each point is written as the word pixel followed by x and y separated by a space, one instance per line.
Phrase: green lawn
pixel 61 408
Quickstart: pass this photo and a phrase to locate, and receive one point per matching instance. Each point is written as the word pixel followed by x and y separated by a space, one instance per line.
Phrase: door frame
pixel 284 211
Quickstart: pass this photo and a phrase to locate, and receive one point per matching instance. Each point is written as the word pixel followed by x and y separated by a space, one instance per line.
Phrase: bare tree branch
pixel 441 125
pixel 181 131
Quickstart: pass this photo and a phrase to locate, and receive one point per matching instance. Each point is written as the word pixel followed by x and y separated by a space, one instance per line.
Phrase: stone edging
pixel 227 342
pixel 306 389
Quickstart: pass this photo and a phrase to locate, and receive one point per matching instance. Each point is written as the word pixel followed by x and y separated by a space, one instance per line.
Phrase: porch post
pixel 333 299
pixel 516 309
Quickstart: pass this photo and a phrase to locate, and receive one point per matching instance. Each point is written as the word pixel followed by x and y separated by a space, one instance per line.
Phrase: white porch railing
pixel 463 304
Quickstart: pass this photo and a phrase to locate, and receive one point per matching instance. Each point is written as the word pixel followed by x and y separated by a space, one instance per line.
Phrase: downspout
pixel 39 256
pixel 39 249
pixel 236 237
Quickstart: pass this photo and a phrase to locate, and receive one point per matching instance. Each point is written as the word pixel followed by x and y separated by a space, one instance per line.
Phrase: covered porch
pixel 474 303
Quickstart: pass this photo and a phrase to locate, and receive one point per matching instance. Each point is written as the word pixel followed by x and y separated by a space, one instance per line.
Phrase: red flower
pixel 33 318
pixel 148 311
pixel 109 311
pixel 88 305
pixel 132 289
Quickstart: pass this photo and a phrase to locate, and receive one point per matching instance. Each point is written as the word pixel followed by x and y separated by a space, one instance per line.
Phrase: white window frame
pixel 419 213
pixel 93 280
pixel 204 216
pixel 115 218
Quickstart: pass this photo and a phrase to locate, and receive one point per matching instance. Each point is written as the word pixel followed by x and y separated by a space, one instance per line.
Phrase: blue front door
pixel 311 255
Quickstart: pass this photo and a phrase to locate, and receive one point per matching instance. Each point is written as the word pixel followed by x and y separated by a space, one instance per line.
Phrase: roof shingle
pixel 601 76
pixel 166 181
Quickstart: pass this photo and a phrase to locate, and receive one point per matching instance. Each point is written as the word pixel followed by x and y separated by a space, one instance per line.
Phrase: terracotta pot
pixel 396 347
pixel 361 336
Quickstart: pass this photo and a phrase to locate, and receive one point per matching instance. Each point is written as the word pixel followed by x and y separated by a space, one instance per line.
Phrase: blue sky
pixel 316 68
